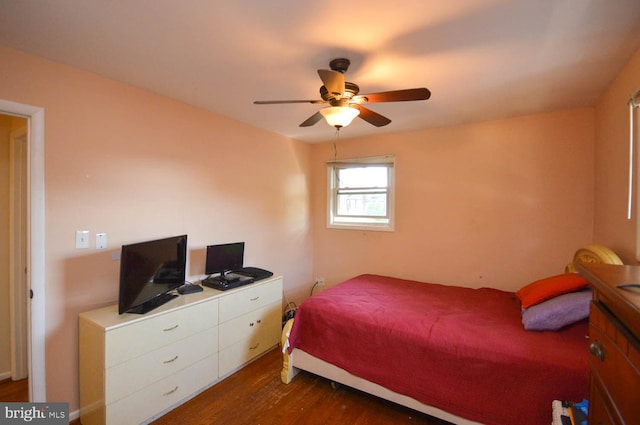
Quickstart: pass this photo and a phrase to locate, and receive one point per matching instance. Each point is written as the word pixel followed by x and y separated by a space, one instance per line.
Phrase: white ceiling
pixel 481 59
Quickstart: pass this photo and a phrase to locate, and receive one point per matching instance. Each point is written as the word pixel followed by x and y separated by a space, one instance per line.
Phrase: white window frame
pixel 363 223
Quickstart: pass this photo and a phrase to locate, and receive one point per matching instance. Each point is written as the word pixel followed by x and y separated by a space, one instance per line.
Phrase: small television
pixel 224 258
pixel 149 271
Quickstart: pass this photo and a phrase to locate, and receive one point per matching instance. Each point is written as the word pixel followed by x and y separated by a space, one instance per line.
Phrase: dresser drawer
pixel 232 358
pixel 265 335
pixel 130 376
pixel 250 298
pixel 599 413
pixel 615 365
pixel 146 335
pixel 266 319
pixel 155 398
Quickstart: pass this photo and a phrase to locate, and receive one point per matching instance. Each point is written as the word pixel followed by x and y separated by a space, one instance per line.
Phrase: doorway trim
pixel 35 245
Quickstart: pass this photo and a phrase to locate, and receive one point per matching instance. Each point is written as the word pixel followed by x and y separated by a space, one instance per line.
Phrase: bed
pixel 459 354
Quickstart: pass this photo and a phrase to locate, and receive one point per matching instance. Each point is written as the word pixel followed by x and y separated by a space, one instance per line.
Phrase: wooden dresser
pixel 134 368
pixel 614 331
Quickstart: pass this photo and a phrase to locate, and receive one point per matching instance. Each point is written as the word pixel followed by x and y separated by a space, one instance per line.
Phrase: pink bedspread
pixel 459 349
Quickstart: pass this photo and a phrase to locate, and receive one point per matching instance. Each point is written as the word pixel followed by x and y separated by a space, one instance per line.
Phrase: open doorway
pixel 26 244
pixel 13 245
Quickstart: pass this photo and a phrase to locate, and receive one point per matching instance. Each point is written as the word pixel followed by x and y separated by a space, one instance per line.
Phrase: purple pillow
pixel 557 312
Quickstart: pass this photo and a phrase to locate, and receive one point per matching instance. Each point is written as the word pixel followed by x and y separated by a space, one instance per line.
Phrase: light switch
pixel 101 240
pixel 82 239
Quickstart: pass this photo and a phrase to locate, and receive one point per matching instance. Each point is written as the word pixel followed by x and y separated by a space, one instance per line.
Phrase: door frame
pixel 35 245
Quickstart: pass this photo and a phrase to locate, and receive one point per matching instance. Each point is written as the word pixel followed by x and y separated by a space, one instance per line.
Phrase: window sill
pixel 361 226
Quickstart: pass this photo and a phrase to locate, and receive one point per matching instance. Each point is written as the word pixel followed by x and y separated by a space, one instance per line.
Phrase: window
pixel 360 193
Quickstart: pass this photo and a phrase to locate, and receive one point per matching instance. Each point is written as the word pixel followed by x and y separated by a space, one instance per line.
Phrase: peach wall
pixel 496 204
pixel 138 166
pixel 611 226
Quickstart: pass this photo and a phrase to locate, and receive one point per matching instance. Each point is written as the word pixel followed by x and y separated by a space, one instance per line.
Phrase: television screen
pixel 148 271
pixel 222 258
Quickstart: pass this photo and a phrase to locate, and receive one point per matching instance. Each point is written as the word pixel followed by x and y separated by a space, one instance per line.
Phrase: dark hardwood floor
pixel 255 395
pixel 14 390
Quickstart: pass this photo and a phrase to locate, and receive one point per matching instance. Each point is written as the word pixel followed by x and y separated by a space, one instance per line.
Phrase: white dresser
pixel 135 367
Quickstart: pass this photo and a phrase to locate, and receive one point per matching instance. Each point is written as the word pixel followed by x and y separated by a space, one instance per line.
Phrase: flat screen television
pixel 224 258
pixel 149 271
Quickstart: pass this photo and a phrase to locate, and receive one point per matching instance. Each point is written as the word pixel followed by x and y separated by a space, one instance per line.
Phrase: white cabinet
pixel 250 323
pixel 135 367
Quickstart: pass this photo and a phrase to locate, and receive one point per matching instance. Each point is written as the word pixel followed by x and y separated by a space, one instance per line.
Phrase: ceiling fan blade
pixel 333 81
pixel 394 96
pixel 371 117
pixel 276 102
pixel 312 120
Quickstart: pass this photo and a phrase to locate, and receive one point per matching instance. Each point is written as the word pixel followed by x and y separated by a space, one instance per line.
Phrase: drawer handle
pixel 172 391
pixel 171 328
pixel 171 360
pixel 254 347
pixel 596 349
pixel 255 299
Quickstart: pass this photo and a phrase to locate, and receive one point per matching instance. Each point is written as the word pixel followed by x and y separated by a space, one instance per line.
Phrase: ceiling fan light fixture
pixel 339 116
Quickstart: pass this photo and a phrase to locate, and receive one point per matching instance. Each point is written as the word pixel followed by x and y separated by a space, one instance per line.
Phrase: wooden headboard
pixel 593 254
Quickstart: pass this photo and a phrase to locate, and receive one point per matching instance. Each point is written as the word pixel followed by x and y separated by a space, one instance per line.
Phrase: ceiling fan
pixel 344 100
